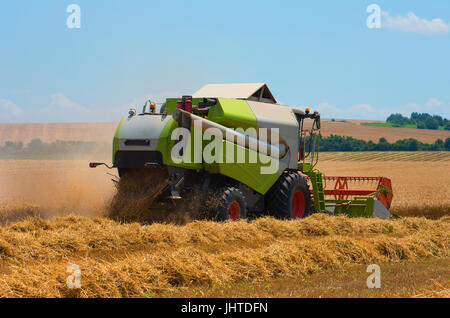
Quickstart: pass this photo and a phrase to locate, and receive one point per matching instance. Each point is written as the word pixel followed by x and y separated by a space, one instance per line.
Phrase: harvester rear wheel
pixel 289 197
pixel 232 205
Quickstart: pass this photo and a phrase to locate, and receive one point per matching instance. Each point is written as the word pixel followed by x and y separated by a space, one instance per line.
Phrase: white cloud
pixel 363 108
pixel 60 109
pixel 60 102
pixel 433 102
pixel 433 106
pixel 412 23
pixel 360 111
pixel 9 111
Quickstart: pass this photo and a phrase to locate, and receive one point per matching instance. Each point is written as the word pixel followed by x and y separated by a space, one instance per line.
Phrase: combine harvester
pixel 225 120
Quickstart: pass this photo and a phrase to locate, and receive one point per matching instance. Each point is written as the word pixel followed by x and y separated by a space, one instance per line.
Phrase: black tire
pixel 231 205
pixel 289 197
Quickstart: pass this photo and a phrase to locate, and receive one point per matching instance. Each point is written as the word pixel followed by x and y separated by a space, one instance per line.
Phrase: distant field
pixel 49 132
pixel 385 124
pixel 358 129
pixel 386 156
pixel 388 125
pixel 103 132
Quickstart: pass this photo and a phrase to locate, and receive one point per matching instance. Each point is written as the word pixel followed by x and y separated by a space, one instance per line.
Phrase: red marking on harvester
pixel 385 197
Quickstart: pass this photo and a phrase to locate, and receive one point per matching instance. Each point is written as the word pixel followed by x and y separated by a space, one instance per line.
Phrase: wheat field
pixel 128 260
pixel 52 215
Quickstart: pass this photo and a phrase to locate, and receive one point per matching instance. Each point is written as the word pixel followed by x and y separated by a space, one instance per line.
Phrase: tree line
pixel 421 120
pixel 341 143
pixel 330 143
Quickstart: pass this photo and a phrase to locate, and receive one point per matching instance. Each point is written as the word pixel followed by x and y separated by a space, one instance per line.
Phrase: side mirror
pixel 96 164
pixel 317 121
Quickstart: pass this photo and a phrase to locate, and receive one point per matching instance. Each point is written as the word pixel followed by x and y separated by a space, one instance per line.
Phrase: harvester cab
pixel 309 136
pixel 236 144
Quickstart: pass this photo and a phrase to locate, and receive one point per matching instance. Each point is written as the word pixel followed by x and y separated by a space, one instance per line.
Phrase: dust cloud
pixel 51 188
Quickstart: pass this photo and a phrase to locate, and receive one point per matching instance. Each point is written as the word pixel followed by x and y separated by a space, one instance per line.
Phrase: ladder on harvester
pixel 318 193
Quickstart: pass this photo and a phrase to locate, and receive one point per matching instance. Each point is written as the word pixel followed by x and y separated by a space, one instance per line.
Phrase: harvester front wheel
pixel 289 197
pixel 232 205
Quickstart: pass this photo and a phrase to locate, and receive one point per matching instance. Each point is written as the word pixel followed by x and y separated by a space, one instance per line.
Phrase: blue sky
pixel 315 53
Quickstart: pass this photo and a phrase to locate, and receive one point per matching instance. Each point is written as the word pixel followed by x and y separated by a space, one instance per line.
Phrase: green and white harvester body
pixel 234 142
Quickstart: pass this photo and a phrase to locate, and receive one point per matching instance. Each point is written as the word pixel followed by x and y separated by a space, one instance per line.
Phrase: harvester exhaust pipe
pixel 186 120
